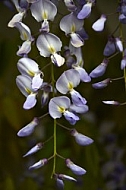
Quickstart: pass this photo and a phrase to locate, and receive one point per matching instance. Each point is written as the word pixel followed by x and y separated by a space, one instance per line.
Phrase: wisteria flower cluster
pixel 61 95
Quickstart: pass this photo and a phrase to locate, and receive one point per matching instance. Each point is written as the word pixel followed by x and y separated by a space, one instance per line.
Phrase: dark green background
pixel 105 124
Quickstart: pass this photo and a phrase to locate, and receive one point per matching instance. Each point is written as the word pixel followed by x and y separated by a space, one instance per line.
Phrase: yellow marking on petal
pixel 28 90
pixel 61 109
pixel 25 36
pixel 31 73
pixel 70 86
pixel 52 49
pixel 45 15
pixel 73 28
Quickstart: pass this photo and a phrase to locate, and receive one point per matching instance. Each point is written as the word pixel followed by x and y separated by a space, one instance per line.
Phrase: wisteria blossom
pixel 74 168
pixel 38 164
pixel 101 84
pixel 99 24
pixel 29 67
pixel 70 5
pixel 71 25
pixel 24 84
pixel 59 106
pixel 29 128
pixel 48 45
pixel 43 10
pixel 100 69
pixel 85 11
pixel 34 149
pixel 66 84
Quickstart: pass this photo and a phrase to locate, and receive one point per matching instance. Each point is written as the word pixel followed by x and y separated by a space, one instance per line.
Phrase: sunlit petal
pixel 99 24
pixel 24 49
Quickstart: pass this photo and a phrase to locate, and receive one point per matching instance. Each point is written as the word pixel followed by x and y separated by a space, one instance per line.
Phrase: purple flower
pixel 99 24
pixel 80 138
pixel 111 102
pixel 29 67
pixel 74 168
pixel 99 70
pixel 70 5
pixel 59 106
pixel 38 164
pixel 101 84
pixel 24 84
pixel 49 44
pixel 29 128
pixel 85 11
pixel 34 149
pixel 70 24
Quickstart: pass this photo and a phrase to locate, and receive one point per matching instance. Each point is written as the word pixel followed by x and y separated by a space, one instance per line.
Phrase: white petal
pixel 85 11
pixel 30 101
pixel 24 49
pixel 37 82
pixel 38 164
pixel 57 59
pixel 16 18
pixel 99 24
pixel 76 40
pixel 34 149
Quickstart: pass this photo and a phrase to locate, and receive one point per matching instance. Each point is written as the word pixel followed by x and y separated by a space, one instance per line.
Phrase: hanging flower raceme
pixel 43 10
pixel 99 24
pixel 25 35
pixel 59 106
pixel 29 128
pixel 80 138
pixel 29 67
pixel 100 69
pixel 66 83
pixel 24 84
pixel 71 25
pixel 74 168
pixel 49 44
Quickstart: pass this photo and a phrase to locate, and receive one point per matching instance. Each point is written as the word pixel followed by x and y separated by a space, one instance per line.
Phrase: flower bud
pixel 38 164
pixel 80 138
pixel 99 24
pixel 111 102
pixel 28 129
pixel 34 149
pixel 119 44
pixel 99 70
pixel 66 177
pixel 123 63
pixel 101 84
pixel 74 168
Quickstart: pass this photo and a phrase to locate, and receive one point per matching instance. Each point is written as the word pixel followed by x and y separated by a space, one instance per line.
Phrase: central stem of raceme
pixel 54 126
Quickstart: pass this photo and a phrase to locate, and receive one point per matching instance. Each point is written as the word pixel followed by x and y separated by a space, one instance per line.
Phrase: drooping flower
pixel 71 25
pixel 99 24
pixel 110 47
pixel 34 149
pixel 100 69
pixel 29 128
pixel 74 168
pixel 111 102
pixel 101 84
pixel 29 67
pixel 49 44
pixel 60 180
pixel 39 164
pixel 85 11
pixel 66 83
pixel 59 106
pixel 43 10
pixel 78 109
pixel 80 138
pixel 24 84
pixel 25 35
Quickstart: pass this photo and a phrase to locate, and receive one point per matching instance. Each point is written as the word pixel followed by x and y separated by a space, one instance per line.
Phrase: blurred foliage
pixel 105 124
